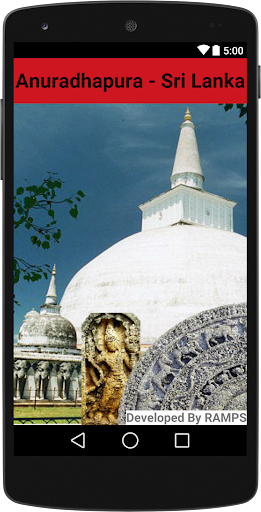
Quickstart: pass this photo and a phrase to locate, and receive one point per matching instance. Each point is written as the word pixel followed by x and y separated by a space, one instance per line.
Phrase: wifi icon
pixel 203 48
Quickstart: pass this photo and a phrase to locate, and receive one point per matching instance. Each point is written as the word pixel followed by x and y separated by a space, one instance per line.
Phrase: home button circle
pixel 130 440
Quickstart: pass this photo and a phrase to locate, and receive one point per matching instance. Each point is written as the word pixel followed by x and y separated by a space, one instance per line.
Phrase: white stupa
pixel 185 260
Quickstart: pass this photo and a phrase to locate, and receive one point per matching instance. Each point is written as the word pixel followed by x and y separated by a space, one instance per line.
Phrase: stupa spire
pixel 186 202
pixel 187 168
pixel 187 116
pixel 50 307
pixel 51 296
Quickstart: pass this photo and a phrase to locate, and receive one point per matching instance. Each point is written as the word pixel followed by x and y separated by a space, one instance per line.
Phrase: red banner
pixel 143 80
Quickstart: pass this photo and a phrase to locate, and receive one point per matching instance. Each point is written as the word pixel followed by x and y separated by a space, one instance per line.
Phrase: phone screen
pixel 130 261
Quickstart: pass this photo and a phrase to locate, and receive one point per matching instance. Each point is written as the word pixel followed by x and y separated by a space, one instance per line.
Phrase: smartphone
pixel 130 179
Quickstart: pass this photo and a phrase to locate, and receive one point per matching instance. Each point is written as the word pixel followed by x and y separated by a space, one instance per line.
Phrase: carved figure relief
pixel 20 371
pixel 200 364
pixel 110 351
pixel 41 378
pixel 63 379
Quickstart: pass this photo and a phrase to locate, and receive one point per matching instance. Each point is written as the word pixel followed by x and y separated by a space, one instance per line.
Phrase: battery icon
pixel 216 50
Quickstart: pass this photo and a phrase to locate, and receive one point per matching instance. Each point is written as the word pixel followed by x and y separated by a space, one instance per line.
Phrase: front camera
pixel 130 25
pixel 44 26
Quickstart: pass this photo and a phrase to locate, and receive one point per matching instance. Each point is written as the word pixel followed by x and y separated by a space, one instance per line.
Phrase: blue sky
pixel 120 155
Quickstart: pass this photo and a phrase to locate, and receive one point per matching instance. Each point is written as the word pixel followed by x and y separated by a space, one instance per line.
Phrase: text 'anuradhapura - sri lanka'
pixel 167 80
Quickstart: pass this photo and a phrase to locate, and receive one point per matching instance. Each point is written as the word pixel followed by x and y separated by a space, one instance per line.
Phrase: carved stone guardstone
pixel 200 364
pixel 111 348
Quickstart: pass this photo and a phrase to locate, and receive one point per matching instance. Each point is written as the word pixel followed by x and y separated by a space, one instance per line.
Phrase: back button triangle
pixel 80 440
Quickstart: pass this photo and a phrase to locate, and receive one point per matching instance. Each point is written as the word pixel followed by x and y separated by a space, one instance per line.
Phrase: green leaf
pixel 20 191
pixel 45 245
pixel 243 111
pixel 74 211
pixel 34 239
pixel 228 106
pixel 51 213
pixel 50 184
pixel 35 276
pixel 32 188
pixel 16 275
pixel 58 184
pixel 57 235
pixel 41 190
pixel 29 202
pixel 80 193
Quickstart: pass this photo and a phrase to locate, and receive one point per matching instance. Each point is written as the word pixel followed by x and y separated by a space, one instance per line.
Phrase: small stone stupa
pixel 46 358
pixel 49 328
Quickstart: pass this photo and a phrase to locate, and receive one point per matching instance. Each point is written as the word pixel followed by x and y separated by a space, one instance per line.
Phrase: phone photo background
pixel 130 223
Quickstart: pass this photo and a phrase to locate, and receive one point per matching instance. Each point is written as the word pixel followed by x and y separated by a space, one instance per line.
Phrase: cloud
pixel 234 180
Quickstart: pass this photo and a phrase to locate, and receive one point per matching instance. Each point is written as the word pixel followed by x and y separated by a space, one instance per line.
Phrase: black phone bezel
pixel 133 482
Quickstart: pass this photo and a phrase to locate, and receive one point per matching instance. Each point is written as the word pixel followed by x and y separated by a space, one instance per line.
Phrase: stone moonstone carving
pixel 110 350
pixel 200 364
